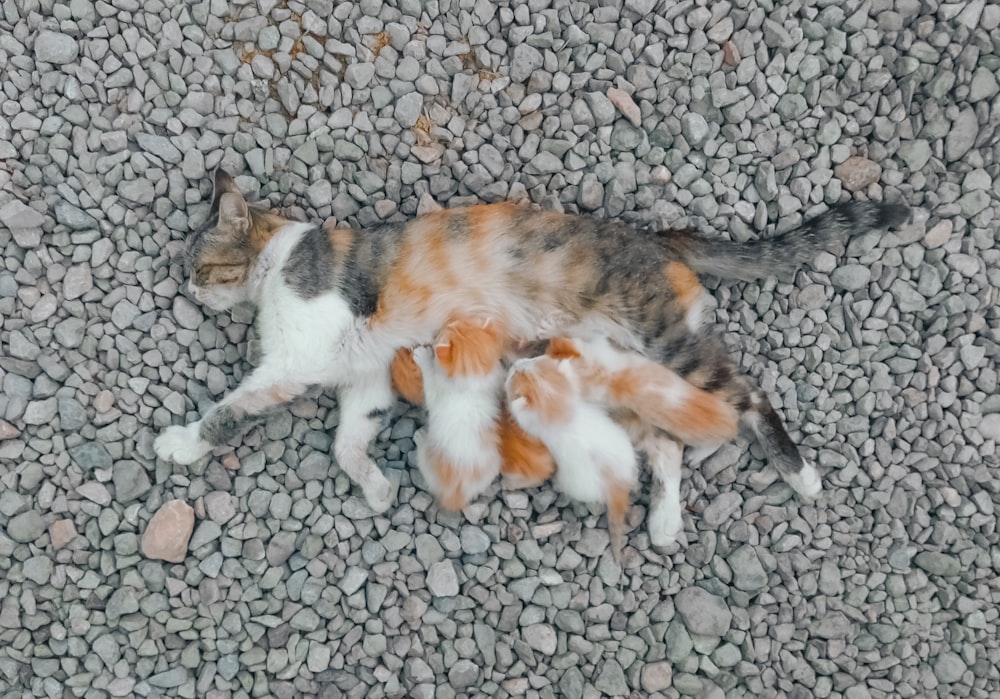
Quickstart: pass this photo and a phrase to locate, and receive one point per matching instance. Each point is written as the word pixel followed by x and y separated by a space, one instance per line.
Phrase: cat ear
pixel 518 404
pixel 562 348
pixel 224 184
pixel 233 211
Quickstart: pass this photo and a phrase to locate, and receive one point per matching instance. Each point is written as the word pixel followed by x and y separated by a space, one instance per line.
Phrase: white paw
pixel 181 444
pixel 806 482
pixel 664 523
pixel 378 494
pixel 423 357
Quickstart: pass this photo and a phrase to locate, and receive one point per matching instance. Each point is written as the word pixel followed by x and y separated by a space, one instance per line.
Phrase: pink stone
pixel 7 430
pixel 230 462
pixel 857 173
pixel 623 101
pixel 939 234
pixel 730 54
pixel 61 532
pixel 168 532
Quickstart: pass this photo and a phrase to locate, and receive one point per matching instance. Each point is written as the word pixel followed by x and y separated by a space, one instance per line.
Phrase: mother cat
pixel 335 305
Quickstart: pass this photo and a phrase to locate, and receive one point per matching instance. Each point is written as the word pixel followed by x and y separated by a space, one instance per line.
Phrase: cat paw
pixel 665 524
pixel 806 482
pixel 423 357
pixel 181 445
pixel 378 494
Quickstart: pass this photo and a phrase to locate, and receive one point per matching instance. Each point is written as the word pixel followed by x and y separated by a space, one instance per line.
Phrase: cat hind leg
pixel 781 451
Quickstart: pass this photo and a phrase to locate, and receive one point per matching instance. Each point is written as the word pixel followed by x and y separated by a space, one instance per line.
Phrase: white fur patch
pixel 806 482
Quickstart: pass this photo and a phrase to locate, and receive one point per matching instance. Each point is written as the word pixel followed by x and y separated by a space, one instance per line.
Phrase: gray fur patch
pixel 308 271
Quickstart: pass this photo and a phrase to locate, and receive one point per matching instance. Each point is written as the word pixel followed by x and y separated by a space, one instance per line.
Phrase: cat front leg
pixel 257 396
pixel 363 405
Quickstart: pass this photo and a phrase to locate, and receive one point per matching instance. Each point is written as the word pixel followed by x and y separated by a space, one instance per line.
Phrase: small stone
pixel 938 563
pixel 851 277
pixel 703 613
pixel 168 532
pixel 408 108
pixel 833 625
pixel 18 216
pixel 748 573
pixel 38 569
pixel 611 681
pixel 442 581
pixel 989 427
pixel 949 667
pixel 474 540
pixel 91 456
pixel 95 492
pixel 56 48
pixel 962 135
pixel 131 481
pixel 220 506
pixel 541 637
pixel 625 104
pixel 525 60
pixel 655 677
pixel 140 190
pixel 25 527
pixel 856 173
pixel 61 532
pixel 695 129
pixel 915 154
pixel 463 674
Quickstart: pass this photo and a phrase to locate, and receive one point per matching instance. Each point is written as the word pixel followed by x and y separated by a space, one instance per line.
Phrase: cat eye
pixel 206 275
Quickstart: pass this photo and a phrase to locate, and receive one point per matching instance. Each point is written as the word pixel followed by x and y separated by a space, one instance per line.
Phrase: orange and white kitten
pixel 595 459
pixel 458 451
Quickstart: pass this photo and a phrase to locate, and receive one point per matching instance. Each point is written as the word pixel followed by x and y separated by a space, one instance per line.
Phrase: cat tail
pixel 781 255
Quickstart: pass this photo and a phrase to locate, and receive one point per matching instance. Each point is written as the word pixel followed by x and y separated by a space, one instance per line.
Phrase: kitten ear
pixel 562 348
pixel 443 354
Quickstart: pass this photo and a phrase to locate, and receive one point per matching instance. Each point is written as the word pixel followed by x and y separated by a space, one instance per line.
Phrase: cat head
pixel 540 390
pixel 223 253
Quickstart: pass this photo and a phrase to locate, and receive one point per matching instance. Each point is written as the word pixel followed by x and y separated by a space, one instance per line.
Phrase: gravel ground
pixel 740 117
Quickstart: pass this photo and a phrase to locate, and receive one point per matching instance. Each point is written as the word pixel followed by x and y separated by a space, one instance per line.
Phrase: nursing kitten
pixel 335 306
pixel 524 460
pixel 458 451
pixel 595 459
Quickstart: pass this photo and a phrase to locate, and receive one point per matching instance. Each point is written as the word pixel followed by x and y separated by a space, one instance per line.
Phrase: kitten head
pixel 224 251
pixel 540 390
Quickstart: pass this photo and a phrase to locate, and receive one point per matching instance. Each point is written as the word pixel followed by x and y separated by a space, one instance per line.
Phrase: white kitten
pixel 595 459
pixel 458 451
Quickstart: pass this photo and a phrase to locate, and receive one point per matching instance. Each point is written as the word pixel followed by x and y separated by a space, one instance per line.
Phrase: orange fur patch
pixel 562 348
pixel 523 457
pixel 452 478
pixel 700 418
pixel 469 348
pixel 407 379
pixel 544 390
pixel 684 283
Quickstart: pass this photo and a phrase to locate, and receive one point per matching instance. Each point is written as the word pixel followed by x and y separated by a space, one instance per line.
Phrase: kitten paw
pixel 378 494
pixel 806 482
pixel 665 524
pixel 423 357
pixel 181 444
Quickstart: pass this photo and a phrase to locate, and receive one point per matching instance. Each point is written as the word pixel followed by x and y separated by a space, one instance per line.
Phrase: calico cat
pixel 458 451
pixel 595 459
pixel 335 306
